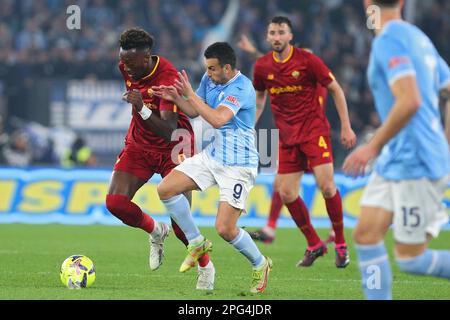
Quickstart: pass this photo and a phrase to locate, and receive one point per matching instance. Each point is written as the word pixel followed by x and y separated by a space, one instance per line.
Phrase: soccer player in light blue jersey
pixel 225 99
pixel 411 173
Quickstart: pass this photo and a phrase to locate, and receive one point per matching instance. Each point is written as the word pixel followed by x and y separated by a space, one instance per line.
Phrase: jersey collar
pixel 153 70
pixel 234 78
pixel 291 52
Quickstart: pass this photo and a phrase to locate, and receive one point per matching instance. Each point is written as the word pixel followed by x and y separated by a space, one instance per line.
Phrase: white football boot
pixel 157 246
pixel 205 277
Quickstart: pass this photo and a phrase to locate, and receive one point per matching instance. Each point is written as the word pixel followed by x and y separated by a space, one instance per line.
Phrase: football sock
pixel 204 259
pixel 178 232
pixel 299 213
pixel 275 210
pixel 245 245
pixel 375 271
pixel 431 262
pixel 179 210
pixel 334 209
pixel 128 212
pixel 156 230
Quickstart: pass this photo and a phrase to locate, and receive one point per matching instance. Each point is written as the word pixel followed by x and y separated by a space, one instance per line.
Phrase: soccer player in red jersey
pixel 267 233
pixel 292 76
pixel 148 144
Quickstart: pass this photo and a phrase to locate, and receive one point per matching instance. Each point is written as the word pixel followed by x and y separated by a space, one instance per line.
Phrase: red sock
pixel 275 210
pixel 204 260
pixel 128 212
pixel 299 213
pixel 147 223
pixel 334 209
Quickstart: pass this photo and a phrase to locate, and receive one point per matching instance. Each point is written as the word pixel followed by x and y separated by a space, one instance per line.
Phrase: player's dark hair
pixel 386 3
pixel 223 52
pixel 136 38
pixel 280 20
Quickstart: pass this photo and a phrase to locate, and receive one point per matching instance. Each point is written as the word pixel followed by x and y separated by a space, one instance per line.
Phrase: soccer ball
pixel 77 271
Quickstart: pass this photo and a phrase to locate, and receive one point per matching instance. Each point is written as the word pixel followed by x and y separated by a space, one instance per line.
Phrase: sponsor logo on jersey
pixel 128 83
pixel 233 100
pixel 287 89
pixel 295 74
pixel 394 62
pixel 270 76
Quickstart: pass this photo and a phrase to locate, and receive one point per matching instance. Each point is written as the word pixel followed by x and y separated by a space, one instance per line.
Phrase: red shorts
pixel 304 156
pixel 144 164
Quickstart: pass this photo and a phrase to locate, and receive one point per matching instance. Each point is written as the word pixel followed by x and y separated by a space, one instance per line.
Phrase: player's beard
pixel 279 48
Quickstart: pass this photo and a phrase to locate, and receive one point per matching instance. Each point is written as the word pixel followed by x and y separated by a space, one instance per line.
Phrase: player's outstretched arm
pixel 348 137
pixel 170 93
pixel 407 102
pixel 245 44
pixel 215 117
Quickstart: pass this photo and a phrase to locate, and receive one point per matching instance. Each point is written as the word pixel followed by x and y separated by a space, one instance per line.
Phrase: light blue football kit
pixel 414 164
pixel 234 143
pixel 230 160
pixel 420 149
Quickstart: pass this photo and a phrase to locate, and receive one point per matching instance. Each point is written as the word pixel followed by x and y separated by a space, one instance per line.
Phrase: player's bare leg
pixel 267 233
pixel 226 226
pixel 122 189
pixel 324 175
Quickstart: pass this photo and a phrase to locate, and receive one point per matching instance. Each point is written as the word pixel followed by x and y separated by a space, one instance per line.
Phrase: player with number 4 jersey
pixel 292 76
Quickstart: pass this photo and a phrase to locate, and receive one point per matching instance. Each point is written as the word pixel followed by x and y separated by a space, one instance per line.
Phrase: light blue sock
pixel 180 211
pixel 245 245
pixel 431 262
pixel 375 271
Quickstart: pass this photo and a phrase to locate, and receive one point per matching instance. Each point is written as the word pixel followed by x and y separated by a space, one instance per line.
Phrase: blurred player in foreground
pixel 292 77
pixel 225 99
pixel 148 145
pixel 411 173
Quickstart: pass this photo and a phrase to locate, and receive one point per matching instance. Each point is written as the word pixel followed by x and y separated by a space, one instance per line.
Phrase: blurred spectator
pixel 79 155
pixel 16 152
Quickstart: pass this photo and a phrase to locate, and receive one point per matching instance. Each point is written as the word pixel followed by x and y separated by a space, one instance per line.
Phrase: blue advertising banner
pixel 77 196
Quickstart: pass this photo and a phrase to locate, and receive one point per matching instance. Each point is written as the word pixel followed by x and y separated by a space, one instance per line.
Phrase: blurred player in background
pixel 411 174
pixel 267 233
pixel 148 144
pixel 292 76
pixel 225 99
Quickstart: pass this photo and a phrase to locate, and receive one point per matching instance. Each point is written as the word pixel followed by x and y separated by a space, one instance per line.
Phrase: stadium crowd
pixel 36 44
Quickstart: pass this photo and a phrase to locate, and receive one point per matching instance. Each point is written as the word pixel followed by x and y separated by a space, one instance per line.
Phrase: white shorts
pixel 234 183
pixel 417 206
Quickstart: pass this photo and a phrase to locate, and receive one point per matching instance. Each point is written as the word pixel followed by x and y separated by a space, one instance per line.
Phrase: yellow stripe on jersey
pixel 291 52
pixel 321 101
pixel 154 69
pixel 175 108
pixel 331 75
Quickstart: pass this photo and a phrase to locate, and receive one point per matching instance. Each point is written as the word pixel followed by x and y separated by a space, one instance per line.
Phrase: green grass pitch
pixel 31 255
